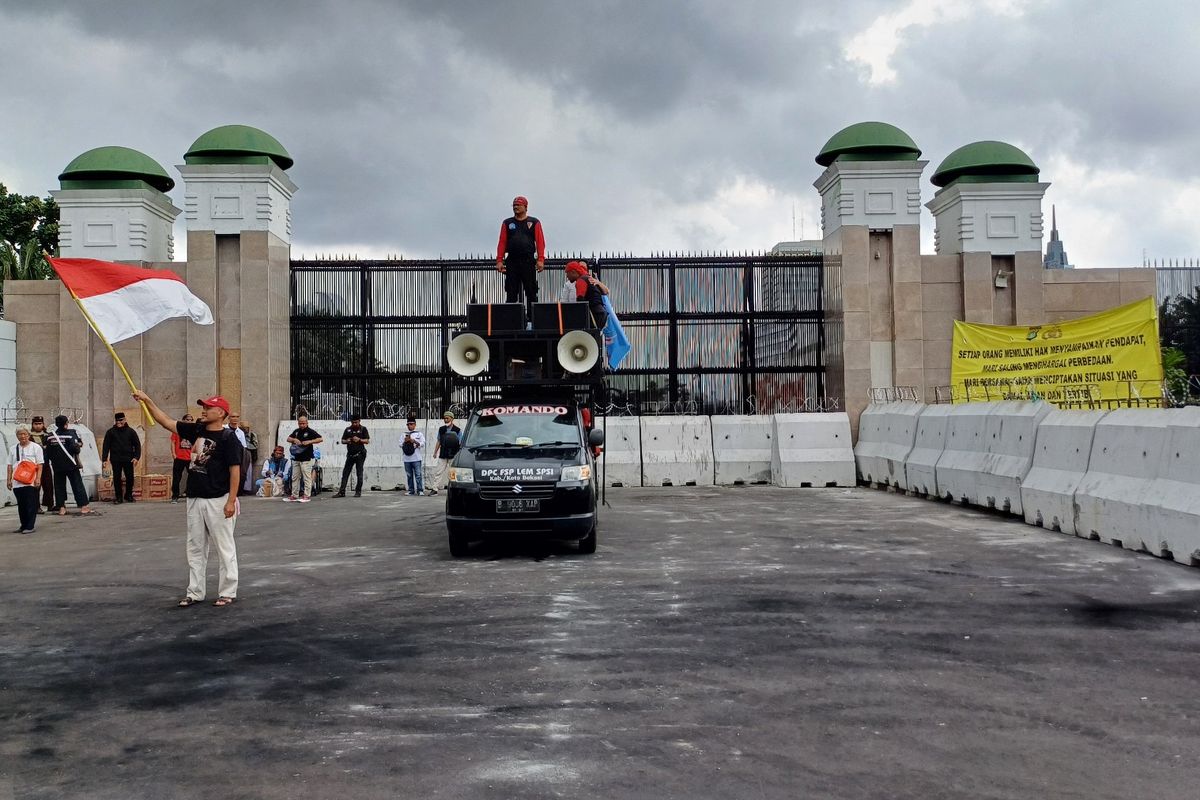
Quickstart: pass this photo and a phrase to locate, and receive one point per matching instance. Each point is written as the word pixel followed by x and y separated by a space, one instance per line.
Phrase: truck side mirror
pixel 595 437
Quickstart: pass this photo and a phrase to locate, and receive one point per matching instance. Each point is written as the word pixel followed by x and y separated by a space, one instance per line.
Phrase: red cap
pixel 578 267
pixel 215 402
pixel 520 200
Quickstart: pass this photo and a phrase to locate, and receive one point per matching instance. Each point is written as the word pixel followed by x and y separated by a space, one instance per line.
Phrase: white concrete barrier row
pixel 1129 477
pixel 798 450
pixel 784 449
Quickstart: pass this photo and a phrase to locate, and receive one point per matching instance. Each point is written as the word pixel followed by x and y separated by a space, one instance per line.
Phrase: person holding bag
pixel 25 478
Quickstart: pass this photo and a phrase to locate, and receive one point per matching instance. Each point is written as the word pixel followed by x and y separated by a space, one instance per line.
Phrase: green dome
pixel 237 144
pixel 986 162
pixel 115 167
pixel 869 141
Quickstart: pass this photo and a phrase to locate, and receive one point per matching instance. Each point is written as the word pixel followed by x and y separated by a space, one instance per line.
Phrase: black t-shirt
pixel 213 453
pixel 449 441
pixel 355 448
pixel 305 451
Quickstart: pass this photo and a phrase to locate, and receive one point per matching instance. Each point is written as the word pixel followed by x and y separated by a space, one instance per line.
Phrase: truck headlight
pixel 462 475
pixel 580 473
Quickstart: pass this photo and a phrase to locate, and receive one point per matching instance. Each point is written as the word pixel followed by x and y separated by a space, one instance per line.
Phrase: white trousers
pixel 206 523
pixel 441 471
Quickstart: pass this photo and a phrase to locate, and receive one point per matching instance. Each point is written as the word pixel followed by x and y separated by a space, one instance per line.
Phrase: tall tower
pixel 1056 254
pixel 237 208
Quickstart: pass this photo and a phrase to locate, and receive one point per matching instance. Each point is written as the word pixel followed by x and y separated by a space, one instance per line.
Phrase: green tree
pixel 1179 327
pixel 28 225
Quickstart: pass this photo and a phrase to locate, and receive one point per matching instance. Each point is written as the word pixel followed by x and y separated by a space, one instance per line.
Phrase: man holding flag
pixel 119 302
pixel 214 475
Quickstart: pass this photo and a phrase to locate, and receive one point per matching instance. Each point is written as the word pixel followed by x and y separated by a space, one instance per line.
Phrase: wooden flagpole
pixel 96 329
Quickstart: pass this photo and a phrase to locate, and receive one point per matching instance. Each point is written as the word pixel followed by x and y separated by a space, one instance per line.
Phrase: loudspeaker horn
pixel 578 352
pixel 468 354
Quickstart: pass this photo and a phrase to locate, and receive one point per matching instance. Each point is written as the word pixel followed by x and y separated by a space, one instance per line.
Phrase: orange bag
pixel 24 472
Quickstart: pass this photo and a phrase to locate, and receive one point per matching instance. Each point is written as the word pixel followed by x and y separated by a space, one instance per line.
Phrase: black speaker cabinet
pixel 505 317
pixel 575 317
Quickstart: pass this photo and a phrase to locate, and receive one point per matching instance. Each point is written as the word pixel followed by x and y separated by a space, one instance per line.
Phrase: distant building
pixel 1056 255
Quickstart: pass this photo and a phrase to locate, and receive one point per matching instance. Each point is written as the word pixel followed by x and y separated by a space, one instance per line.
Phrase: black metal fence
pixel 709 334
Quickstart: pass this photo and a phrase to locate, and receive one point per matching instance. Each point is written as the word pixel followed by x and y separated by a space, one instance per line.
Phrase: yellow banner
pixel 1113 355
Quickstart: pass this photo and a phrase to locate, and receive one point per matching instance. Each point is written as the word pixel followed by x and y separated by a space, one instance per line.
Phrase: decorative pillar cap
pixel 115 168
pixel 237 144
pixel 986 162
pixel 869 141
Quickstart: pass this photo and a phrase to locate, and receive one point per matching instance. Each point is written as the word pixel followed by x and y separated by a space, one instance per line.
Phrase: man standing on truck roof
pixel 522 240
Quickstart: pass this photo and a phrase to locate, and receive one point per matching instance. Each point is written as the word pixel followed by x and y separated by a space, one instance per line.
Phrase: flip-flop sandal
pixel 221 602
pixel 187 602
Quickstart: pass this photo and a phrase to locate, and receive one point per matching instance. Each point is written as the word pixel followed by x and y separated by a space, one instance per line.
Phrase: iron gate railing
pixel 709 334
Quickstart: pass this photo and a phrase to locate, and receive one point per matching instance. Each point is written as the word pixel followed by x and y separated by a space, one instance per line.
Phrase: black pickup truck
pixel 525 468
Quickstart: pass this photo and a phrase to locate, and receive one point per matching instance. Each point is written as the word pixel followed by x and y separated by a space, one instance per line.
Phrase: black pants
pixel 521 276
pixel 47 485
pixel 122 479
pixel 27 505
pixel 60 487
pixel 356 463
pixel 178 468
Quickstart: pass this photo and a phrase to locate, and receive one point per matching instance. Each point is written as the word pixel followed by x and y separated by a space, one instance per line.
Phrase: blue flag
pixel 616 343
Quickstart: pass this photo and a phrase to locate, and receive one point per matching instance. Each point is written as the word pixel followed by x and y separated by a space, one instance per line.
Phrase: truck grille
pixel 501 491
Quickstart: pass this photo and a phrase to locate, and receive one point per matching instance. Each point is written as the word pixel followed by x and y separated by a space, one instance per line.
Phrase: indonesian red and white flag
pixel 124 301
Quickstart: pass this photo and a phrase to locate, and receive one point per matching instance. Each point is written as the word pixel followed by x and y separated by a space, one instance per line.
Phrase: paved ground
pixel 723 643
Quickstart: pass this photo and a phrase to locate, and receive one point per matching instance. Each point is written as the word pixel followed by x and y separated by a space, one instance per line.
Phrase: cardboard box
pixel 156 487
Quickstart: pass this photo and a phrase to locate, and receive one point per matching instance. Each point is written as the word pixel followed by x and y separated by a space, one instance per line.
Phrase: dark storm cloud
pixel 414 123
pixel 1101 81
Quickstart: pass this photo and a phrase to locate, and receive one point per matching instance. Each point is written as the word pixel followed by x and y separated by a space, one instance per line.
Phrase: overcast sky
pixel 633 126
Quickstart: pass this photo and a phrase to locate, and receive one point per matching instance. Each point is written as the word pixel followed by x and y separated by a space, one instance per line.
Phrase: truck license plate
pixel 518 505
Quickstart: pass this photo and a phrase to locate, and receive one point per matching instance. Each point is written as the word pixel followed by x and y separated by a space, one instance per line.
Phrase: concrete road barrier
pixel 677 451
pixel 622 461
pixel 1173 497
pixel 1127 449
pixel 1009 439
pixel 886 433
pixel 920 466
pixel 964 454
pixel 1060 461
pixel 742 449
pixel 812 450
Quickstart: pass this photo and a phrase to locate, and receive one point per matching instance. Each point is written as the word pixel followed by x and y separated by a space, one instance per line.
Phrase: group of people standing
pixel 304 439
pixel 43 462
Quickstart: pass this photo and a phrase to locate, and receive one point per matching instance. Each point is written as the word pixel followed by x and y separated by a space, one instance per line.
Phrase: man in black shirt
pixel 302 441
pixel 449 441
pixel 122 449
pixel 356 438
pixel 213 477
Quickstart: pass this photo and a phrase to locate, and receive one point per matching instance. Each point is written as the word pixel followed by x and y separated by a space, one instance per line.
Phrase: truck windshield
pixel 520 426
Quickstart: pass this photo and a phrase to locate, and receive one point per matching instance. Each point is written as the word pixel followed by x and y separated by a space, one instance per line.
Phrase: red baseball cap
pixel 215 402
pixel 578 267
pixel 520 200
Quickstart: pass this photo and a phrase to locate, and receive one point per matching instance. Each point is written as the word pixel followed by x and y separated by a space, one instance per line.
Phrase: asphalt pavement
pixel 749 642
